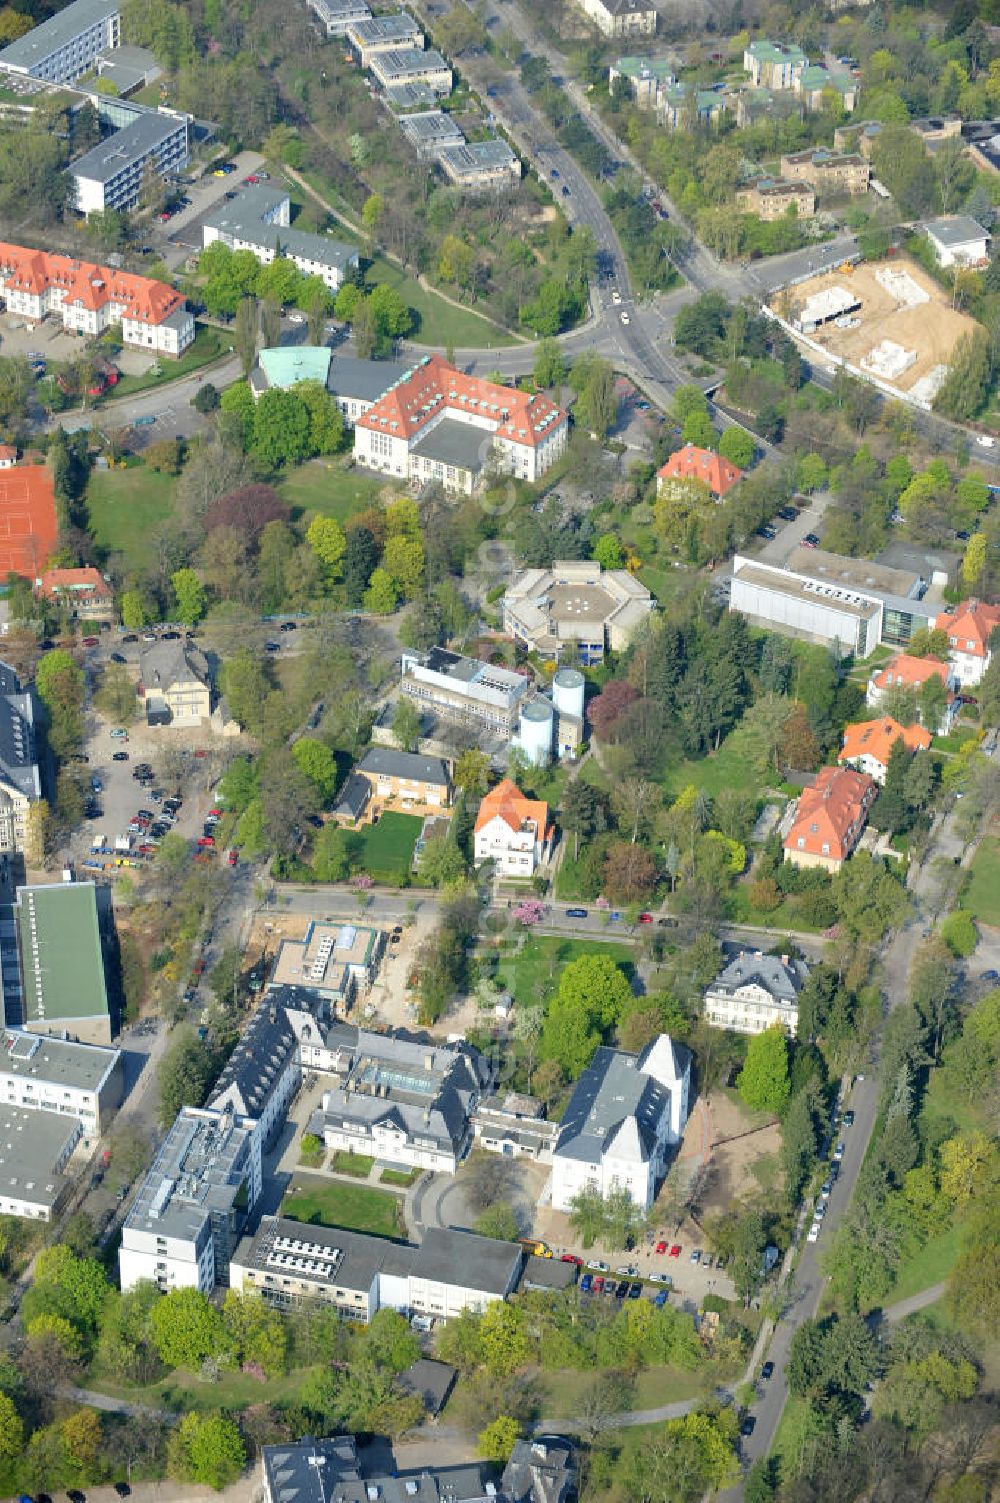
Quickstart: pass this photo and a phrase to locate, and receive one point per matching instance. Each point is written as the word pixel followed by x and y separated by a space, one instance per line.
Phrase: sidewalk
pixel 249 1489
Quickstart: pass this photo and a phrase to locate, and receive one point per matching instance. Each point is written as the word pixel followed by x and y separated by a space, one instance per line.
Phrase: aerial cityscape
pixel 499 772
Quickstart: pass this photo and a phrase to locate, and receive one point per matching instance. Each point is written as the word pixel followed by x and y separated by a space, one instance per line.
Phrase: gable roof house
pixel 969 627
pixel 626 1111
pixel 264 1070
pixel 830 818
pixel 868 744
pixel 692 463
pixel 174 681
pixel 906 672
pixel 512 831
pixel 85 593
pixel 407 776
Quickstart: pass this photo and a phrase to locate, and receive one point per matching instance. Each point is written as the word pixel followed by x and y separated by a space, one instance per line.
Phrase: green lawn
pixel 930 1265
pixel 401 1177
pixel 729 767
pixel 439 323
pixel 209 344
pixel 358 1164
pixel 565 1389
pixel 182 1392
pixel 387 848
pixel 982 893
pixel 534 973
pixel 125 508
pixel 356 1207
pixel 330 487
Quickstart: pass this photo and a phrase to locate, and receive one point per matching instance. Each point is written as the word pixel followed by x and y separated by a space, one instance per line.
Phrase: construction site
pixel 889 321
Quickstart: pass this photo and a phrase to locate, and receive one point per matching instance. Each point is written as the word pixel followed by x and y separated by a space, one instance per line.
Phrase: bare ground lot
pixel 930 329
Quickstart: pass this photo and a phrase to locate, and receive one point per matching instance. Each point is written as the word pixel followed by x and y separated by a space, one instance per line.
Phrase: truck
pixel 123 843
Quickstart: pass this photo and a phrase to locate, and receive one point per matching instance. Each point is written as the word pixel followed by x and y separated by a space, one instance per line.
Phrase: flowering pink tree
pixel 529 913
pixel 362 881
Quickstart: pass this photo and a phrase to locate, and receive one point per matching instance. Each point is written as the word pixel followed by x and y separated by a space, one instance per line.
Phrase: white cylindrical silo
pixel 567 692
pixel 535 731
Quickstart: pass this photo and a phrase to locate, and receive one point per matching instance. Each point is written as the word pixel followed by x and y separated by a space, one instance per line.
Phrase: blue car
pixel 661 1299
pixel 586 1283
pixel 991 975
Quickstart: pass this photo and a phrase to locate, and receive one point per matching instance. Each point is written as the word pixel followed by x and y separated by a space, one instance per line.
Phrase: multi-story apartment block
pixel 54 1075
pixel 463 689
pixel 113 174
pixel 91 298
pixel 67 44
pixel 374 34
pixel 774 65
pixel 440 424
pixel 20 782
pixel 828 171
pixel 259 220
pixel 190 1212
pixel 621 18
pixel 771 198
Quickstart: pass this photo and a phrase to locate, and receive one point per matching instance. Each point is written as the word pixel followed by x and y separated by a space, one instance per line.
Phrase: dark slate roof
pixel 612 1093
pixel 399 764
pixel 540 1470
pixel 367 380
pixel 353 797
pixel 457 444
pixel 430 1381
pixel 259 1059
pixel 468 1261
pixel 782 979
pixel 162 664
pixel 18 762
pixel 547 1273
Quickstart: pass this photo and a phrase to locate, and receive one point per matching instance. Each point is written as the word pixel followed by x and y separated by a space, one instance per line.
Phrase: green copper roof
pixel 286 365
pixel 62 963
pixel 635 67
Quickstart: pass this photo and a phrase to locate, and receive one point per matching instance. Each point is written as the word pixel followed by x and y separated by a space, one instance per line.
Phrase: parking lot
pixel 181 234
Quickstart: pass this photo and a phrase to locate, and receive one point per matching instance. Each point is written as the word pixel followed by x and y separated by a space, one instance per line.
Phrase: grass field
pixel 440 324
pixel 729 767
pixel 125 508
pixel 356 1207
pixel 183 1392
pixel 388 846
pixel 330 487
pixel 982 894
pixel 534 973
pixel 401 1177
pixel 358 1164
pixel 208 345
pixel 564 1390
pixel 930 1265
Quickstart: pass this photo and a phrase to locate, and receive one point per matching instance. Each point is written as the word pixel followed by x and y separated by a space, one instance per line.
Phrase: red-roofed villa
pixel 692 463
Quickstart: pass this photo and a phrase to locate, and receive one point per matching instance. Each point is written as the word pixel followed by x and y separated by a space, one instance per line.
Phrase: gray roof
pixel 330 1471
pixel 353 797
pixel 474 156
pixel 366 380
pixel 198 1173
pixel 162 664
pixel 431 1382
pixel 782 978
pixel 613 1092
pixel 129 144
pixel 18 763
pixel 408 96
pixel 431 129
pixel 955 229
pixel 426 1089
pixel 329 1256
pixel 398 764
pixel 540 1470
pixel 547 1273
pixel 31 1144
pixel 467 1261
pixel 402 63
pixel 128 67
pixel 260 1058
pixel 39 43
pixel 453 443
pixel 384 29
pixel 921 558
pixel 242 218
pixel 44 1057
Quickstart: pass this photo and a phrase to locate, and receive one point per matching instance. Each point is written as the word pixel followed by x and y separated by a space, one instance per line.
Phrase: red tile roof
pixel 832 813
pixel 691 463
pixel 507 801
pixel 7 451
pixel 86 283
pixel 89 581
pixel 970 626
pixel 876 738
pixel 904 671
pixel 28 526
pixel 435 387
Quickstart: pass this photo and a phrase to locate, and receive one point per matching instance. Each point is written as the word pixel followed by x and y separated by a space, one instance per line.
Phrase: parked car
pixel 577 912
pixel 675 1251
pixel 599 1267
pixel 661 1278
pixel 634 1291
pixel 121 756
pixel 767 1371
pixel 586 1283
pixel 849 1119
pixel 645 918
pixel 814 1231
pixel 661 1299
pixel 119 734
pixel 696 1255
pixel 661 1248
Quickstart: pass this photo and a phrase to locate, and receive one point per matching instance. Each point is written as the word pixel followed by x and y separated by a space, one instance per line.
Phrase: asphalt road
pixel 926 886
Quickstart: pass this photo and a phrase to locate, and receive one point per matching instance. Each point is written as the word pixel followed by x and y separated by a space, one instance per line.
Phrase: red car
pixel 201 752
pixel 645 918
pixel 570 1257
pixel 599 1285
pixel 661 1248
pixel 675 1251
pixel 206 842
pixel 214 814
pixel 90 641
pixel 198 969
pixel 232 858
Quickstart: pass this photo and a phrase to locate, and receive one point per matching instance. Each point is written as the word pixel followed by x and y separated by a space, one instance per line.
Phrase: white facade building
pixel 626 1112
pixel 67 44
pixel 190 1212
pixel 55 1075
pixel 259 220
pixel 112 175
pixel 754 991
pixel 513 831
pixel 958 240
